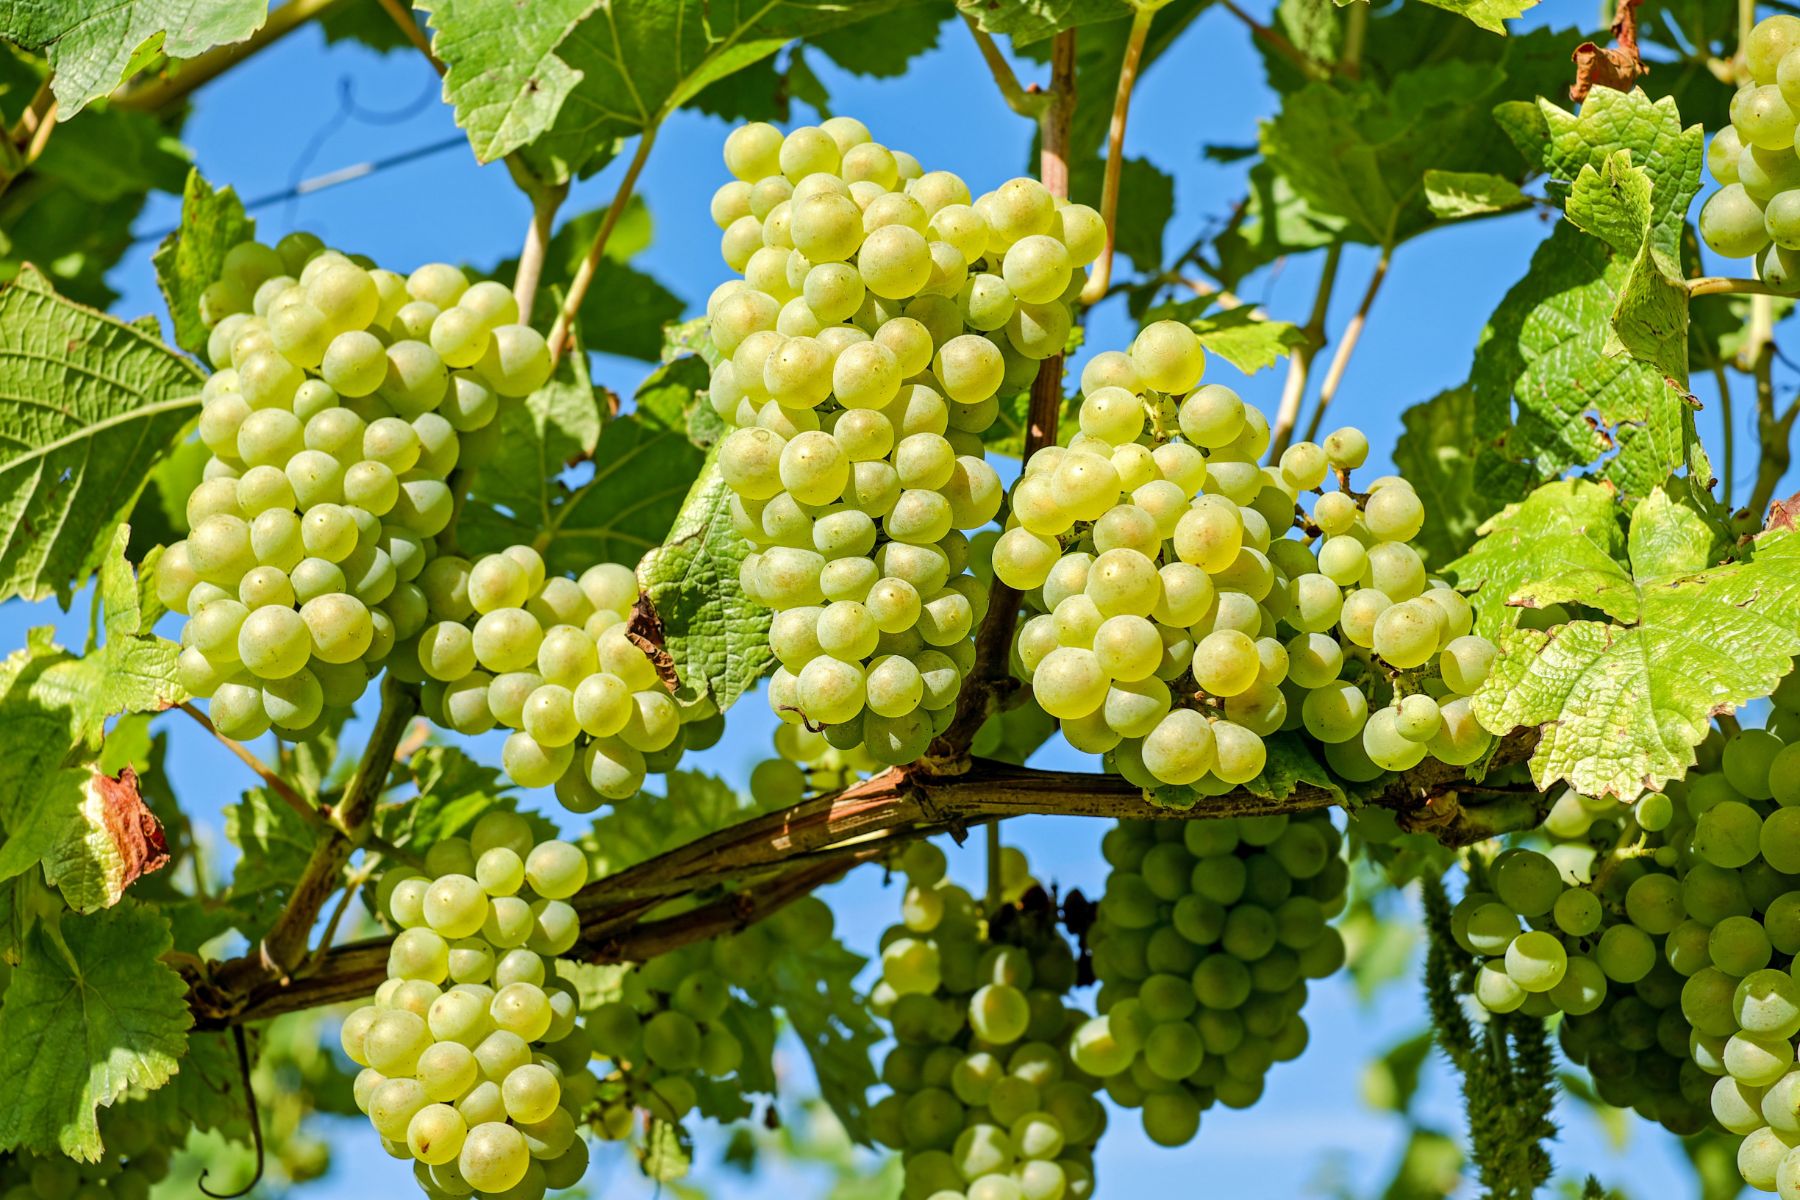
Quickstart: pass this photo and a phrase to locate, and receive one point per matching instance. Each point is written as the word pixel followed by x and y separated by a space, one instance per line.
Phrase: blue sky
pixel 279 118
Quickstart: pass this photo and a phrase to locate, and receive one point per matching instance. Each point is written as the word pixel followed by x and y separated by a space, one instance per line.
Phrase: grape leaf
pixel 1362 151
pixel 212 222
pixel 109 843
pixel 1559 144
pixel 1245 340
pixel 1562 527
pixel 87 406
pixel 570 78
pixel 1027 21
pixel 275 846
pixel 814 986
pixel 1273 221
pixel 626 507
pixel 1436 453
pixel 1545 350
pixel 717 636
pixel 1455 194
pixel 515 492
pixel 884 49
pixel 1650 316
pixel 94 45
pixel 1622 705
pixel 54 706
pixel 1491 15
pixel 90 1012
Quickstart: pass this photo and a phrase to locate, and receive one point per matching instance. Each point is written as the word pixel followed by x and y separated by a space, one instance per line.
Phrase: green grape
pixel 1732 223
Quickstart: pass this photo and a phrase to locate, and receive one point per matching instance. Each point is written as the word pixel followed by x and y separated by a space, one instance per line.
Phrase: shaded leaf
pixel 1436 453
pixel 90 1012
pixel 212 222
pixel 718 637
pixel 93 45
pixel 1622 705
pixel 1455 194
pixel 87 406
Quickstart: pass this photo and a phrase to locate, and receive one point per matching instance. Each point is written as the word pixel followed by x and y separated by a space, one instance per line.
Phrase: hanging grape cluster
pixel 1667 934
pixel 1756 214
pixel 343 398
pixel 881 311
pixel 1177 623
pixel 985 1103
pixel 666 1035
pixel 473 1061
pixel 551 660
pixel 1204 942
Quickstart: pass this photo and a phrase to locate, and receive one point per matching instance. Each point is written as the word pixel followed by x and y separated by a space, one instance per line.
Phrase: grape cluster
pixel 985 1103
pixel 1756 214
pixel 344 395
pixel 1204 941
pixel 132 1165
pixel 806 764
pixel 881 312
pixel 1669 939
pixel 1177 625
pixel 665 1031
pixel 473 1063
pixel 550 659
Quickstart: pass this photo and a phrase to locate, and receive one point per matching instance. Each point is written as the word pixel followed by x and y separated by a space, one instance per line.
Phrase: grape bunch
pixel 805 763
pixel 881 313
pixel 1177 625
pixel 665 1035
pixel 343 398
pixel 550 659
pixel 1669 944
pixel 473 1063
pixel 985 1102
pixel 1204 941
pixel 1756 213
pixel 134 1163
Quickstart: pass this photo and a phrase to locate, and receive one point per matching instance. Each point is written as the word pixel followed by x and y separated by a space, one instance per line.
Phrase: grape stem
pixel 1027 102
pixel 284 948
pixel 409 28
pixel 271 779
pixel 562 332
pixel 545 200
pixel 778 856
pixel 1293 390
pixel 1719 285
pixel 1101 279
pixel 1340 361
pixel 151 94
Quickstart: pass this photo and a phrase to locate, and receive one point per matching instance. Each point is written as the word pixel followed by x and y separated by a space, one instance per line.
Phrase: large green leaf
pixel 1245 340
pixel 110 842
pixel 91 1011
pixel 1545 351
pixel 1560 528
pixel 570 78
pixel 212 222
pixel 93 45
pixel 1361 151
pixel 1621 704
pixel 53 708
pixel 717 636
pixel 87 406
pixel 1559 144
